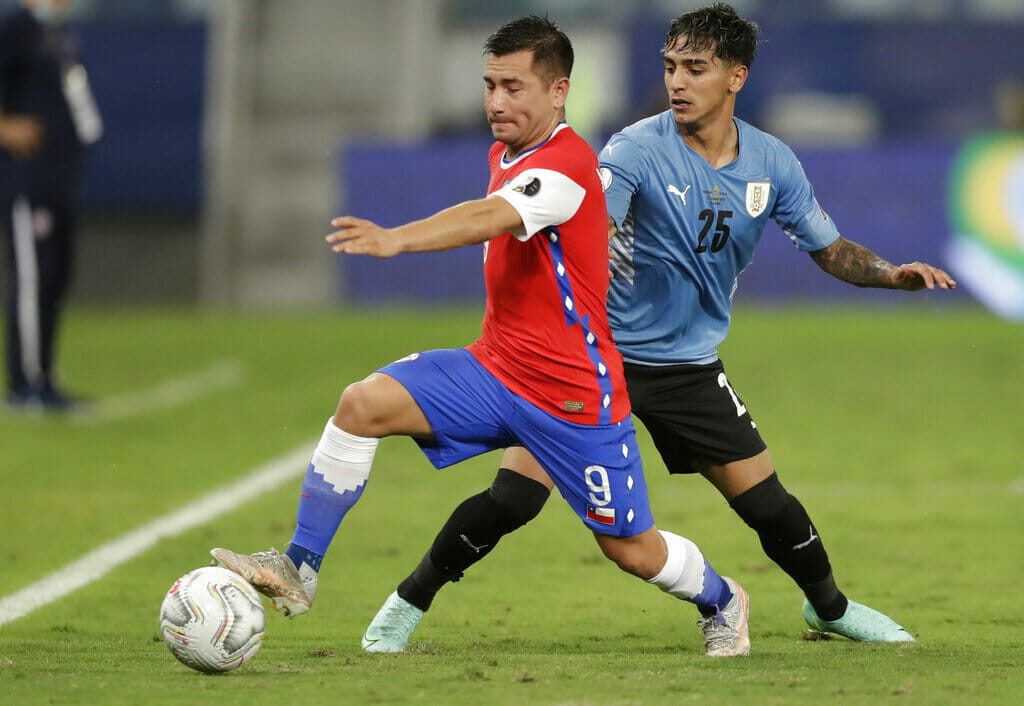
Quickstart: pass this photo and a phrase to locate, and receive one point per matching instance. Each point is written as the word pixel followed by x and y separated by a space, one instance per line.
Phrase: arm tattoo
pixel 855 264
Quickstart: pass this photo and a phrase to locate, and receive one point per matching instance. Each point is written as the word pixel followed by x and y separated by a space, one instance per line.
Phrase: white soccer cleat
pixel 726 634
pixel 391 627
pixel 272 574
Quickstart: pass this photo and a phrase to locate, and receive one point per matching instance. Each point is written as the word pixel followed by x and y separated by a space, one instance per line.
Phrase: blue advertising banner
pixel 890 197
pixel 148 81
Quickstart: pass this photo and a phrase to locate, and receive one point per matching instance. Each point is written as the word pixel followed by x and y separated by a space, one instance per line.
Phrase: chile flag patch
pixel 604 515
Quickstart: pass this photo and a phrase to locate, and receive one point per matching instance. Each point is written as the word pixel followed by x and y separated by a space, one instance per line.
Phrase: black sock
pixel 790 539
pixel 828 601
pixel 420 587
pixel 471 532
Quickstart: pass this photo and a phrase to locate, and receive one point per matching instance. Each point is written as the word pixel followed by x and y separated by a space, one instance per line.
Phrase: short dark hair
pixel 717 26
pixel 552 50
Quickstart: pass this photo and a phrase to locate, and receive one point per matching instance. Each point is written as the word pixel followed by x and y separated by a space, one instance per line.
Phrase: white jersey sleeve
pixel 542 197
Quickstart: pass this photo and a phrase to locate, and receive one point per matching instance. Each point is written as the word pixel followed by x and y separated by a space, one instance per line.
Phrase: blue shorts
pixel 597 469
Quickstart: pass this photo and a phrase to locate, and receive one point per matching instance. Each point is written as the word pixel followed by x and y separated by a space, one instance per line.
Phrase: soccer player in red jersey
pixel 544 377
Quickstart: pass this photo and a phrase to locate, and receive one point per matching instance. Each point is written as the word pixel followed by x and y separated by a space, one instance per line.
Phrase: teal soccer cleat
pixel 391 627
pixel 859 623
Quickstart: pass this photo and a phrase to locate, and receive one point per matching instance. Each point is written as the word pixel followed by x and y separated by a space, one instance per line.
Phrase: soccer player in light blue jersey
pixel 689 192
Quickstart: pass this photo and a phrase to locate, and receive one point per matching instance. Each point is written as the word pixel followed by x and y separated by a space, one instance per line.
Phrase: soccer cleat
pixel 392 626
pixel 726 634
pixel 47 400
pixel 272 574
pixel 859 623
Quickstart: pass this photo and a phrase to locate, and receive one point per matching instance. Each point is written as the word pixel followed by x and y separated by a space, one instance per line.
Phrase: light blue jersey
pixel 687 230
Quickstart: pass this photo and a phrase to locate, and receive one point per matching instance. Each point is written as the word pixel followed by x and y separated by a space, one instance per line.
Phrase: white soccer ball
pixel 212 620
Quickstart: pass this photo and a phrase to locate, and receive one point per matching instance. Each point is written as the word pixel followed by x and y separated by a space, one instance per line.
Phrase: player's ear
pixel 737 77
pixel 560 92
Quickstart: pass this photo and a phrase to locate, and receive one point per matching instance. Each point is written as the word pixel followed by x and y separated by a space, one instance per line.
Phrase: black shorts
pixel 693 414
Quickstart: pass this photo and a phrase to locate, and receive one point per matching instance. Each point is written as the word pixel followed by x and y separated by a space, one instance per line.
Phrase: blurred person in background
pixel 47 117
pixel 689 192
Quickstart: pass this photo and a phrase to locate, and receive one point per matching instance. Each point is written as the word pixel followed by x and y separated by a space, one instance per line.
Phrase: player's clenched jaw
pixel 701 87
pixel 523 107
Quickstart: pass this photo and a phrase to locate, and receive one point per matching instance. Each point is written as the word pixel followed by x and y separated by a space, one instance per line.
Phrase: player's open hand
pixel 361 237
pixel 920 275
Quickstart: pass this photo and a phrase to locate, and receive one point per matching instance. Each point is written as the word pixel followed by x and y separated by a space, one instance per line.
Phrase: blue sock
pixel 333 484
pixel 321 510
pixel 715 595
pixel 300 555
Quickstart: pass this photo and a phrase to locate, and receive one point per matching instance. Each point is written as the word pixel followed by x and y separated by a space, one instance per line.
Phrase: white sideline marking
pixel 171 393
pixel 99 561
pixel 1017 487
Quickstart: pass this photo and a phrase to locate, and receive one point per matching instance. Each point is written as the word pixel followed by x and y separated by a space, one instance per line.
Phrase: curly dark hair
pixel 717 27
pixel 552 50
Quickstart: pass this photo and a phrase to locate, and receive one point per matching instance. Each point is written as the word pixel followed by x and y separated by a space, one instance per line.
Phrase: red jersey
pixel 545 332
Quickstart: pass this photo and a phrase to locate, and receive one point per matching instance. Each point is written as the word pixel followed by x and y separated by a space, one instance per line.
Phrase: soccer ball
pixel 212 620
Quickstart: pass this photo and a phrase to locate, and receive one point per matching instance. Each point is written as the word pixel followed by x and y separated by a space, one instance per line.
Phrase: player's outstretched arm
pixel 853 263
pixel 468 223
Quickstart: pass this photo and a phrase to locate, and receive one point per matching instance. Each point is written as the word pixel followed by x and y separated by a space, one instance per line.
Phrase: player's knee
pixel 631 556
pixel 355 413
pixel 520 498
pixel 762 504
pixel 629 563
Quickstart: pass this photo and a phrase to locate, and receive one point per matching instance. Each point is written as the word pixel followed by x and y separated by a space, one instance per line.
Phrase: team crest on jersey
pixel 605 174
pixel 757 197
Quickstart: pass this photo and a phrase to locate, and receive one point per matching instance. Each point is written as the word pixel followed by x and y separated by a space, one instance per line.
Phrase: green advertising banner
pixel 986 202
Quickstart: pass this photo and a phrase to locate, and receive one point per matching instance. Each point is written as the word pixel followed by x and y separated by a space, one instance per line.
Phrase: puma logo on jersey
pixel 681 194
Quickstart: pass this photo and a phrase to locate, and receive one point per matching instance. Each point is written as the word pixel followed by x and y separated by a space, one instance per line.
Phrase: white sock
pixel 344 459
pixel 683 572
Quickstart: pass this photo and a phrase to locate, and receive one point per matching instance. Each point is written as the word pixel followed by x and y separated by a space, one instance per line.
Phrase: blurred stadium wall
pixel 237 128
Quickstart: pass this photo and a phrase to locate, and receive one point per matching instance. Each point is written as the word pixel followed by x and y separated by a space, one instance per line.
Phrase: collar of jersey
pixel 505 164
pixel 739 144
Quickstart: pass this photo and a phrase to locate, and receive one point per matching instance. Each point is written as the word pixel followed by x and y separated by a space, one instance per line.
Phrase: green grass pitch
pixel 899 429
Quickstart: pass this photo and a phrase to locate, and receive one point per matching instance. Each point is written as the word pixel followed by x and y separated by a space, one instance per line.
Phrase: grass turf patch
pixel 899 430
